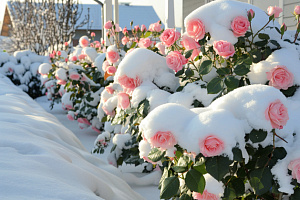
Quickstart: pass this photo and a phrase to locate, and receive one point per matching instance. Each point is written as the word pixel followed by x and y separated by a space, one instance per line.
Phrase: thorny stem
pixel 259 31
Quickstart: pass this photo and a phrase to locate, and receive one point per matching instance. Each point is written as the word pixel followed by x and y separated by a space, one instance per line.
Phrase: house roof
pixel 138 14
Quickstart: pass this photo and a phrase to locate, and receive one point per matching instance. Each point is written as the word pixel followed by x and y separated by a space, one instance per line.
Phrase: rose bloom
pixel 112 56
pixel 66 44
pixel 129 84
pixel 51 55
pixel 211 146
pixel 82 56
pixel 61 82
pixel 161 47
pixel 108 112
pixel 274 10
pixel 95 129
pixel 297 10
pixel 175 60
pixel 123 100
pixel 189 43
pixel 294 166
pixel 74 76
pixel 83 121
pixel 155 27
pixel 109 89
pixel 125 40
pixel 70 117
pixel 136 28
pixel 73 58
pixel 108 25
pixel 111 70
pixel 163 139
pixel 125 30
pixel 105 65
pixel 145 43
pixel 143 28
pixel 280 77
pixel 277 114
pixel 195 29
pixel 169 37
pixel 224 48
pixel 251 13
pixel 84 42
pixel 93 34
pixel 239 26
pixel 205 196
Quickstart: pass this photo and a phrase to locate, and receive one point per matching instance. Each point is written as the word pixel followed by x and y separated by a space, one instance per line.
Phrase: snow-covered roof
pixel 138 14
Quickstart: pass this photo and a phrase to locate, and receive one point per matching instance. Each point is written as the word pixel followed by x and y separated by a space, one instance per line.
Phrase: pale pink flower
pixel 123 100
pixel 51 55
pixel 274 10
pixel 129 84
pixel 70 117
pixel 251 13
pixel 161 47
pixel 83 121
pixel 108 25
pixel 112 56
pixel 239 26
pixel 175 60
pixel 66 59
pixel 125 31
pixel 91 45
pixel 136 28
pixel 117 28
pixel 95 129
pixel 294 166
pixel 74 76
pixel 155 27
pixel 211 146
pixel 143 28
pixel 108 112
pixel 144 43
pixel 189 43
pixel 69 107
pixel 125 40
pixel 297 10
pixel 169 37
pixel 73 58
pixel 66 44
pixel 280 77
pixel 111 70
pixel 82 56
pixel 277 114
pixel 205 196
pixel 105 65
pixel 58 53
pixel 195 29
pixel 93 34
pixel 61 82
pixel 84 42
pixel 109 89
pixel 163 139
pixel 224 48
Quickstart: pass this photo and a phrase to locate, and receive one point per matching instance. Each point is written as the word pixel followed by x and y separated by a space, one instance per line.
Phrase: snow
pixel 41 159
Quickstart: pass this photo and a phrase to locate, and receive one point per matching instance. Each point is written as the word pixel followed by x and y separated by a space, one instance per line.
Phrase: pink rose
pixel 189 43
pixel 112 56
pixel 155 27
pixel 82 56
pixel 239 26
pixel 109 89
pixel 129 84
pixel 73 58
pixel 84 42
pixel 280 77
pixel 251 14
pixel 66 44
pixel 123 100
pixel 111 70
pixel 145 43
pixel 297 10
pixel 108 25
pixel 51 55
pixel 95 129
pixel 164 140
pixel 68 106
pixel 61 82
pixel 161 47
pixel 105 65
pixel 175 60
pixel 169 37
pixel 108 112
pixel 143 28
pixel 58 53
pixel 70 117
pixel 125 31
pixel 274 10
pixel 74 76
pixel 93 34
pixel 195 29
pixel 277 114
pixel 83 121
pixel 125 40
pixel 294 166
pixel 136 28
pixel 211 146
pixel 224 48
pixel 205 196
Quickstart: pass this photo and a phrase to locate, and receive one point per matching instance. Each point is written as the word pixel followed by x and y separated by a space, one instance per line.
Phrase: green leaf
pixel 188 53
pixel 223 71
pixel 231 82
pixel 205 67
pixel 185 197
pixel 248 34
pixel 189 72
pixel 218 166
pixel 275 43
pixel 237 154
pixel 180 72
pixel 163 177
pixel 195 181
pixel 261 180
pixel 263 36
pixel 215 85
pixel 261 43
pixel 279 153
pixel 169 187
pixel 147 34
pixel 229 194
pixel 257 135
pixel 156 155
pixel 296 195
pixel 238 185
pixel 255 55
pixel 241 70
pixel 144 107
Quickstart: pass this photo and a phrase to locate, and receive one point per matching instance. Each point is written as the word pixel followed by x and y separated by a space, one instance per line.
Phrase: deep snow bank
pixel 41 159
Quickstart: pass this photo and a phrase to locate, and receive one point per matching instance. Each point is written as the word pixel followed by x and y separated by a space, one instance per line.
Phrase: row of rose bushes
pixel 199 67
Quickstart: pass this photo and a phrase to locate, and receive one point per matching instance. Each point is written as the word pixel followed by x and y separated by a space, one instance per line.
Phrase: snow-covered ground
pixel 42 159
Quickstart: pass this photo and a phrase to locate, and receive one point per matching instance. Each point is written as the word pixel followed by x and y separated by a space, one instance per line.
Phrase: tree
pixel 44 25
